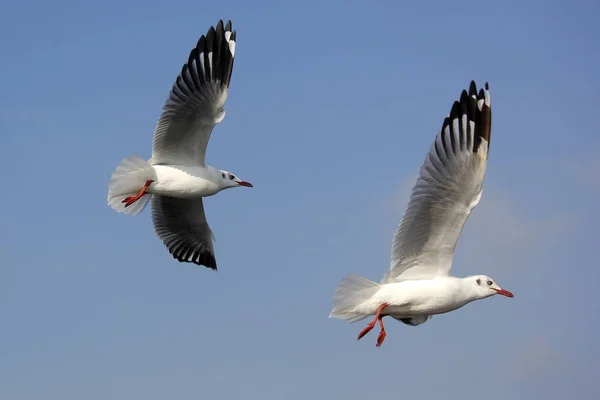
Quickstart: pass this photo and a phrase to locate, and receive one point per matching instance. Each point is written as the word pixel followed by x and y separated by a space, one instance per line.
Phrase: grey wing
pixel 181 225
pixel 449 186
pixel 196 101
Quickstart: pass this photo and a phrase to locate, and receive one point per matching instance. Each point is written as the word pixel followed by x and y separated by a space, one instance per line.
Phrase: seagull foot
pixel 132 199
pixel 382 333
pixel 381 338
pixel 366 330
pixel 371 325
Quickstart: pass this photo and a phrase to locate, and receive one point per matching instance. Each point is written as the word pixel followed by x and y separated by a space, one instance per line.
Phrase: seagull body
pixel 186 182
pixel 177 177
pixel 418 284
pixel 415 298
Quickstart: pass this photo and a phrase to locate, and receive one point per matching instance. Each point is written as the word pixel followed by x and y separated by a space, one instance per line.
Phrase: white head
pixel 484 286
pixel 229 180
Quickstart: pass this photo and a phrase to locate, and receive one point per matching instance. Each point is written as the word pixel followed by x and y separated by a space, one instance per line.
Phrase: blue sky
pixel 332 107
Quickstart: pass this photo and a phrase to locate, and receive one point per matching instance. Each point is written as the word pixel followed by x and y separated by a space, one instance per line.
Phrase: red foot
pixel 366 330
pixel 382 333
pixel 378 317
pixel 132 199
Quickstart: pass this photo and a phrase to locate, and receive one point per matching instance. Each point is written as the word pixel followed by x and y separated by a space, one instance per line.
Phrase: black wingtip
pixel 210 37
pixel 199 258
pixel 200 68
pixel 484 119
pixel 208 261
pixel 455 112
pixel 219 29
pixel 201 44
pixel 464 101
pixel 228 26
pixel 468 105
pixel 472 89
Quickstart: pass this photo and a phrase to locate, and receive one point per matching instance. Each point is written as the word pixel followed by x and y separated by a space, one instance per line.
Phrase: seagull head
pixel 486 287
pixel 229 180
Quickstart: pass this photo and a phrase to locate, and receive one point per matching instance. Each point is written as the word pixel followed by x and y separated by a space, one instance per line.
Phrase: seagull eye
pixel 231 176
pixel 489 283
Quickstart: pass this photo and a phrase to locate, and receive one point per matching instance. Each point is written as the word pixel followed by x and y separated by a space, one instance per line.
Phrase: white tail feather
pixel 350 294
pixel 127 180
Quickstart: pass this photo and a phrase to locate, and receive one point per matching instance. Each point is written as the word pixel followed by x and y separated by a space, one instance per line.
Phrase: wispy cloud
pixel 585 170
pixel 546 369
pixel 534 359
pixel 503 233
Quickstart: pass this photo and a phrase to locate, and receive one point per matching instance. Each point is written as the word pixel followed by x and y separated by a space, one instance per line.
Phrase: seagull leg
pixel 372 323
pixel 382 334
pixel 132 199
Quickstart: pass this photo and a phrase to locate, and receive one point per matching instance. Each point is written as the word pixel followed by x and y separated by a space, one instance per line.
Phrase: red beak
pixel 244 183
pixel 504 292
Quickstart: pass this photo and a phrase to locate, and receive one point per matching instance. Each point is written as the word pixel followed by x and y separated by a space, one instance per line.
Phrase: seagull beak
pixel 244 183
pixel 504 292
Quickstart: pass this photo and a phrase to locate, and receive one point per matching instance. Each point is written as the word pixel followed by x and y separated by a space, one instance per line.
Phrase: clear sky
pixel 331 110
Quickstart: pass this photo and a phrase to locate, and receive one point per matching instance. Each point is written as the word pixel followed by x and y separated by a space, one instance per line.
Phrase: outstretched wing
pixel 181 225
pixel 196 101
pixel 448 188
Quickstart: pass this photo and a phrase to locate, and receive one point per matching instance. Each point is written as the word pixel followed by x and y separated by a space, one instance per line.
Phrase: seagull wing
pixel 449 186
pixel 181 225
pixel 196 101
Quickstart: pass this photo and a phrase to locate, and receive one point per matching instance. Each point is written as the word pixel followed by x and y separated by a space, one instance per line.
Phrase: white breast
pixel 184 181
pixel 422 297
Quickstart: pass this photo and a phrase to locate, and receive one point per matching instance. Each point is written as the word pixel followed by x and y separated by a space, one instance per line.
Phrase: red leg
pixel 372 324
pixel 366 330
pixel 132 199
pixel 382 333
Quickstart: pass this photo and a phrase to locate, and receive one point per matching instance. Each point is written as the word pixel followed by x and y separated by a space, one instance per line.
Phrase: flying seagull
pixel 418 284
pixel 176 178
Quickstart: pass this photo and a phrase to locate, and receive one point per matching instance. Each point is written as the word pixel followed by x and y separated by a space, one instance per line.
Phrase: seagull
pixel 418 284
pixel 176 177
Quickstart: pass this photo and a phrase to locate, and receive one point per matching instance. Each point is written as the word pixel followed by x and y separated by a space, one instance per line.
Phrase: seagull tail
pixel 352 292
pixel 127 180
